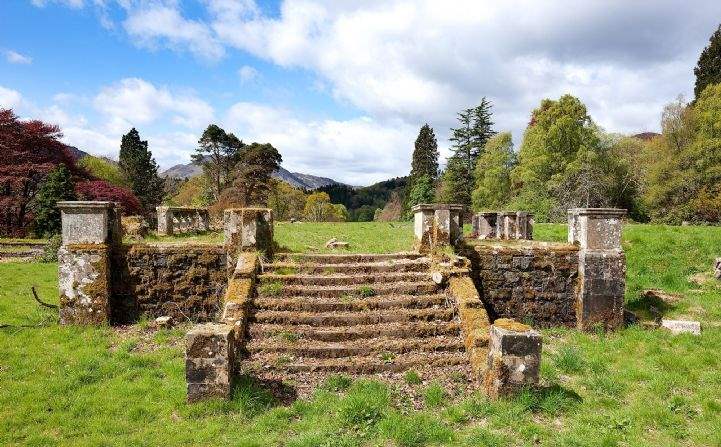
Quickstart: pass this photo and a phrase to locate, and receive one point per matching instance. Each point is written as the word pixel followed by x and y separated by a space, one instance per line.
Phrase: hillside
pixel 362 202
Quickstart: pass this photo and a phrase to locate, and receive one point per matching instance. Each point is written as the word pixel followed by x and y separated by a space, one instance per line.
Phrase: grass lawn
pixel 634 387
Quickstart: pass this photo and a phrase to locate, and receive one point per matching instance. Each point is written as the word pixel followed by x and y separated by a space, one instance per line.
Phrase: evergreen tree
pixel 421 191
pixel 218 152
pixel 468 140
pixel 141 170
pixel 252 184
pixel 493 173
pixel 456 183
pixel 425 155
pixel 58 186
pixel 708 68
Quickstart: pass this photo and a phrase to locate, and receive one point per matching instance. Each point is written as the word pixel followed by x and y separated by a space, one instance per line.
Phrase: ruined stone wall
pixel 530 281
pixel 182 281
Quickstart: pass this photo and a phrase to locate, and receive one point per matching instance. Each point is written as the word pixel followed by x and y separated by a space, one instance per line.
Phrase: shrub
pixel 102 190
pixel 50 251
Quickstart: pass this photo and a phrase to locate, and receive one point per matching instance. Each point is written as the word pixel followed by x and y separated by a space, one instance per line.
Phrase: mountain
pixel 76 153
pixel 297 179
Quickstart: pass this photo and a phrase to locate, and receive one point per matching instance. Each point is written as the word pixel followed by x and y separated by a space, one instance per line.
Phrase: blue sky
pixel 340 88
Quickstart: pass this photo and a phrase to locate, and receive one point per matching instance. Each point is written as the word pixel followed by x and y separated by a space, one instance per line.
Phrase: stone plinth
pixel 506 225
pixel 485 225
pixel 90 232
pixel 174 219
pixel 209 360
pixel 602 266
pixel 436 225
pixel 247 229
pixel 514 358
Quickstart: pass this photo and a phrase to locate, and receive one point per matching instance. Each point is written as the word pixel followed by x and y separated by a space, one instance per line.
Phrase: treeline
pixel 566 160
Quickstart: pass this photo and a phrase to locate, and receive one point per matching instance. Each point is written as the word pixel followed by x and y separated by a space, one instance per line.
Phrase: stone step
pixel 312 304
pixel 351 318
pixel 356 364
pixel 357 332
pixel 318 258
pixel 345 279
pixel 401 288
pixel 316 268
pixel 377 346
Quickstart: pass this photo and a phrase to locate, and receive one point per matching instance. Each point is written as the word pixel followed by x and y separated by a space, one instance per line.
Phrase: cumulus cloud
pixel 9 98
pixel 247 74
pixel 70 3
pixel 16 58
pixel 163 25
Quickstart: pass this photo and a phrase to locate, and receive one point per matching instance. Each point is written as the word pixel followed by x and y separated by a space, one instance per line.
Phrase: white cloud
pixel 158 25
pixel 77 4
pixel 247 74
pixel 16 58
pixel 9 99
pixel 134 102
pixel 357 151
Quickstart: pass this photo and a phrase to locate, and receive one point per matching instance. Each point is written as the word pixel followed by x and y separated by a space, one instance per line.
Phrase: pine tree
pixel 141 170
pixel 425 155
pixel 456 183
pixel 58 186
pixel 708 68
pixel 252 182
pixel 218 152
pixel 421 191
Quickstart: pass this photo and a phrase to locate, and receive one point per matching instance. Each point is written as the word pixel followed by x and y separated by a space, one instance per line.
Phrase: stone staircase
pixel 355 314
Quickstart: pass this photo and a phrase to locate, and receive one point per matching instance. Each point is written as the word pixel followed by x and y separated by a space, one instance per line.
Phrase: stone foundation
pixel 514 358
pixel 209 361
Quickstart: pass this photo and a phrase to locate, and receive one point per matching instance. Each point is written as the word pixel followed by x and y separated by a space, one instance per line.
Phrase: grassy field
pixel 635 387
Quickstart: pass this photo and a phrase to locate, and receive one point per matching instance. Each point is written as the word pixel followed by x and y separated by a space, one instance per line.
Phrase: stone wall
pixel 183 281
pixel 535 282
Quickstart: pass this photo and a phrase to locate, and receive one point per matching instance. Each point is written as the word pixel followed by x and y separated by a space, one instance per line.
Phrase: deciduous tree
pixel 58 186
pixel 493 173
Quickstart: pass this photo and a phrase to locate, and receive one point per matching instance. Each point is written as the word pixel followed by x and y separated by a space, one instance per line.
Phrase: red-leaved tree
pixel 29 150
pixel 102 190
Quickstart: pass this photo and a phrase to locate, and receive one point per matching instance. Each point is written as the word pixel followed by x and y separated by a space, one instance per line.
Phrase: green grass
pixel 105 386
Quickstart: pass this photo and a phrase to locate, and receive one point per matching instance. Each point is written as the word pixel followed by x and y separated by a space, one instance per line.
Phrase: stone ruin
pixel 182 219
pixel 494 285
pixel 504 225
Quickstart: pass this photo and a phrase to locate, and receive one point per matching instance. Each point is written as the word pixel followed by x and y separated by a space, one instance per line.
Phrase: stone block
pixel 595 228
pixel 437 225
pixel 506 226
pixel 514 358
pixel 486 223
pixel 84 284
pixel 90 223
pixel 209 361
pixel 248 229
pixel 682 327
pixel 602 276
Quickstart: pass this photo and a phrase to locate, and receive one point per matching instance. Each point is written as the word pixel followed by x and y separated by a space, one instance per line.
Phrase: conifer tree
pixel 218 152
pixel 708 68
pixel 252 182
pixel 141 170
pixel 58 186
pixel 425 155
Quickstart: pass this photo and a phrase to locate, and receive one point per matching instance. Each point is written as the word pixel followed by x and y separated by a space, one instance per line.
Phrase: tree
pixel 58 186
pixel 456 183
pixel 422 191
pixel 425 155
pixel 30 150
pixel 252 182
pixel 286 201
pixel 140 169
pixel 493 173
pixel 218 152
pixel 104 169
pixel 102 190
pixel 708 67
pixel 193 192
pixel 317 207
pixel 468 140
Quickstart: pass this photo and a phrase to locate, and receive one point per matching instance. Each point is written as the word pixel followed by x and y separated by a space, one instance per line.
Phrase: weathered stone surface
pixel 514 358
pixel 84 284
pixel 436 225
pixel 179 219
pixel 90 223
pixel 595 228
pixel 474 321
pixel 184 282
pixel 682 326
pixel 717 268
pixel 209 361
pixel 533 281
pixel 248 229
pixel 134 227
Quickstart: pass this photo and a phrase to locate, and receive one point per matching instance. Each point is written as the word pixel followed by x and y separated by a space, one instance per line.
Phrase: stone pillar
pixel 436 225
pixel 165 220
pixel 514 358
pixel 524 225
pixel 506 226
pixel 486 222
pixel 90 231
pixel 602 266
pixel 248 229
pixel 209 360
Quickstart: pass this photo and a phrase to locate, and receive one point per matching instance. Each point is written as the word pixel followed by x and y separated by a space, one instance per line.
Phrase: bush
pixel 102 190
pixel 50 252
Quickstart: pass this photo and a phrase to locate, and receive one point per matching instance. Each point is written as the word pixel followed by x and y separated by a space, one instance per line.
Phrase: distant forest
pixel 362 203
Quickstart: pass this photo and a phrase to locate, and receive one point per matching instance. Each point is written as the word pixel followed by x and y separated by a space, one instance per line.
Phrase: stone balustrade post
pixel 165 220
pixel 602 266
pixel 247 229
pixel 437 225
pixel 90 232
pixel 506 225
pixel 514 358
pixel 487 225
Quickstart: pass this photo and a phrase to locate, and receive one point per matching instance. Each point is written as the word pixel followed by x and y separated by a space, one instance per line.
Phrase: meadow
pixel 125 386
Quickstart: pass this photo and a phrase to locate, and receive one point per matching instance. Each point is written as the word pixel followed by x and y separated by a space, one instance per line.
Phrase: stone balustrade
pixel 437 225
pixel 505 225
pixel 182 219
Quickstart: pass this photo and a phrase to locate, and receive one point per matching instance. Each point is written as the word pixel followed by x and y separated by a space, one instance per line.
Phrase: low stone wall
pixel 529 281
pixel 182 281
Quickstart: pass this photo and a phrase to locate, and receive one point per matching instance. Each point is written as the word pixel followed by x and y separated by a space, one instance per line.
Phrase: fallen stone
pixel 666 297
pixel 164 322
pixel 682 326
pixel 335 243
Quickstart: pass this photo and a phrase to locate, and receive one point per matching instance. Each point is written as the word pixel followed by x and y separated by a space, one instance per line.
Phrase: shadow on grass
pixel 649 307
pixel 256 395
pixel 551 399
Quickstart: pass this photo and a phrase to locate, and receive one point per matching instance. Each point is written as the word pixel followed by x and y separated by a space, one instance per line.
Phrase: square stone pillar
pixel 514 358
pixel 507 225
pixel 90 232
pixel 524 225
pixel 486 225
pixel 165 221
pixel 437 225
pixel 209 361
pixel 248 229
pixel 602 266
